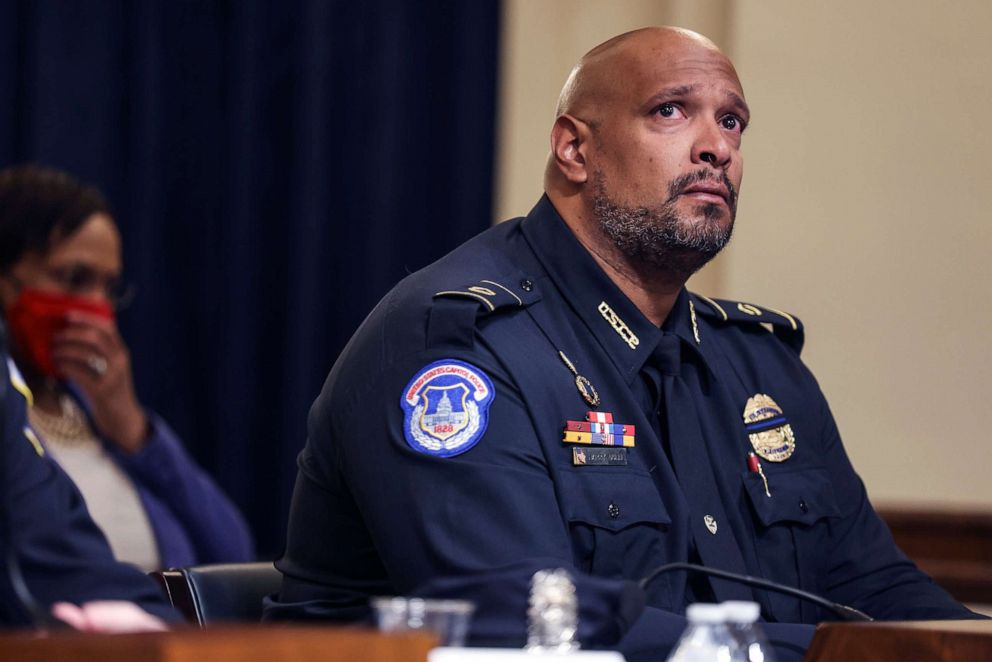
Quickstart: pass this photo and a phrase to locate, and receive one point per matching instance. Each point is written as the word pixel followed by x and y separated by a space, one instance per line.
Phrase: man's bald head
pixel 600 74
pixel 646 149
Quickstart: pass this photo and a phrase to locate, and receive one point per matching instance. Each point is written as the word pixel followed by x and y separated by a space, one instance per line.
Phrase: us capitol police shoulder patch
pixel 446 408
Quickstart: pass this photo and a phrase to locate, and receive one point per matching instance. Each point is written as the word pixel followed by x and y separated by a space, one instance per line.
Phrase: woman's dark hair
pixel 39 207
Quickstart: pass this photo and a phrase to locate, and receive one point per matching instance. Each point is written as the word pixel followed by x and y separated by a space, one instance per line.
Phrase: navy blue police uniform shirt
pixel 447 455
pixel 64 557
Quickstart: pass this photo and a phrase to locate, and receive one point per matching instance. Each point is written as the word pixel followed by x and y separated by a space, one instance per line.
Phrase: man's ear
pixel 570 139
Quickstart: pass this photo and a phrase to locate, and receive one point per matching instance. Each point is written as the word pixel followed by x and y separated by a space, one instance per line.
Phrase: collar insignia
pixel 695 324
pixel 619 325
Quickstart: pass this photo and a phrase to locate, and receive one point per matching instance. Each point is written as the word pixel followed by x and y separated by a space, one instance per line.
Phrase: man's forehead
pixel 697 69
pixel 635 66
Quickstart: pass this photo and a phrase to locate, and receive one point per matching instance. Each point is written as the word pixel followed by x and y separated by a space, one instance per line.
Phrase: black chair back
pixel 220 593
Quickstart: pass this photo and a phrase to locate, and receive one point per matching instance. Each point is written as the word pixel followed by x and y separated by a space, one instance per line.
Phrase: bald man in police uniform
pixel 550 395
pixel 65 561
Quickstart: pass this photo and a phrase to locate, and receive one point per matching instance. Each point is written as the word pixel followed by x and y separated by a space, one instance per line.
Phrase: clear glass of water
pixel 448 619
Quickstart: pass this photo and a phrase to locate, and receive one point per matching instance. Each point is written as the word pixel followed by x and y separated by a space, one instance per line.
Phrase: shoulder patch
pixel 786 327
pixel 446 408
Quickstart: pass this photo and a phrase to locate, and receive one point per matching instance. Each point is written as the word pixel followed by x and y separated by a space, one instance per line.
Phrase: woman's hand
pixel 90 352
pixel 108 617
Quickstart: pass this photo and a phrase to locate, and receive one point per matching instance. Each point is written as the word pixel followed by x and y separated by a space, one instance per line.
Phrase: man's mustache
pixel 681 183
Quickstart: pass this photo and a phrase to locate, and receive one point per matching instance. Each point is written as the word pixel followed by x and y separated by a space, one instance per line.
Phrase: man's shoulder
pixel 441 305
pixel 729 313
pixel 486 269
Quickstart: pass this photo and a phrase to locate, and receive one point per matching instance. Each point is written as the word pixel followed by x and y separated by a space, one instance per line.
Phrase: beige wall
pixel 864 210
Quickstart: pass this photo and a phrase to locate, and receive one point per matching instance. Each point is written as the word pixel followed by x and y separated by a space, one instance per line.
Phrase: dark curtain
pixel 275 167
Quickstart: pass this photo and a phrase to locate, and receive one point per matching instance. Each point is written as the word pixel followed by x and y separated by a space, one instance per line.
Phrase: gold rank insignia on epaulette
pixel 494 294
pixel 452 321
pixel 786 327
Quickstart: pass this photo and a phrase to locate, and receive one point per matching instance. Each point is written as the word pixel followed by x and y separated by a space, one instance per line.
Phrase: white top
pixel 111 497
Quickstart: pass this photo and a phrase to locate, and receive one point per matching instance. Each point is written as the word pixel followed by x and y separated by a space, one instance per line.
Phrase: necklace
pixel 67 428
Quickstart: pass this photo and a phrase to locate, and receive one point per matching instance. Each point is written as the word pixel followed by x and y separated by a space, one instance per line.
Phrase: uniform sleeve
pixel 216 530
pixel 866 569
pixel 475 525
pixel 63 555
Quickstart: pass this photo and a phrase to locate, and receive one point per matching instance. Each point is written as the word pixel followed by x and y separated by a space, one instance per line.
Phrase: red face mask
pixel 36 316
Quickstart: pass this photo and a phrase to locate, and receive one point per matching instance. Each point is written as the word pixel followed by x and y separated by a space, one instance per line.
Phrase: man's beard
pixel 663 237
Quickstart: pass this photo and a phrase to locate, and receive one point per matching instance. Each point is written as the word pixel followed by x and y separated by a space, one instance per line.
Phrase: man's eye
pixel 732 123
pixel 668 110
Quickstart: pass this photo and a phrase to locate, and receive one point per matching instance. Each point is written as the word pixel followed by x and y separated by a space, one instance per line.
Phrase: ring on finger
pixel 97 364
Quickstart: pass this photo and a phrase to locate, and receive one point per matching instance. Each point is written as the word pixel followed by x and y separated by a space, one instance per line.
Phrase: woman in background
pixel 60 285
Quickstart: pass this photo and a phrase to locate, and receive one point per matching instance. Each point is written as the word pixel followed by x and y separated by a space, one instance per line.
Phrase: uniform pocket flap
pixel 611 499
pixel 802 496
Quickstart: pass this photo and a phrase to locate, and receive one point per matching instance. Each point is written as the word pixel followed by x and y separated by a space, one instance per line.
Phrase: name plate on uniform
pixel 597 456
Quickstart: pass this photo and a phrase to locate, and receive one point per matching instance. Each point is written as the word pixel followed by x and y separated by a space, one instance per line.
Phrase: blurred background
pixel 276 166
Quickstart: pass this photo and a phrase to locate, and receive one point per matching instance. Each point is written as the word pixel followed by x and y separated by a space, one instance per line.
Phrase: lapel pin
pixel 585 387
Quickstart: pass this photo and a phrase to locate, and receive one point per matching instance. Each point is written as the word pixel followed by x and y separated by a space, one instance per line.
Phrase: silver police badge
pixel 767 428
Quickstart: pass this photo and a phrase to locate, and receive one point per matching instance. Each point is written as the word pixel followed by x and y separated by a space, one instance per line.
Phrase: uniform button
pixel 614 510
pixel 710 523
pixel 526 285
pixel 802 506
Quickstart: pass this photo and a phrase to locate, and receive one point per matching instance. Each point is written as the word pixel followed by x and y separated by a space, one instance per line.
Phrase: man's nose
pixel 711 146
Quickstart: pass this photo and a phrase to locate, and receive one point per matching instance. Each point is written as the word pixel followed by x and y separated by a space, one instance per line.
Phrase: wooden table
pixel 943 641
pixel 241 644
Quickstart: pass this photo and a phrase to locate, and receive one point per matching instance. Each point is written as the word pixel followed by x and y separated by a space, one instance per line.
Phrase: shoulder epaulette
pixel 786 327
pixel 493 294
pixel 452 317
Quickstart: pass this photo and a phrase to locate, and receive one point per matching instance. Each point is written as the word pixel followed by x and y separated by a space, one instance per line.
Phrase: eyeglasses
pixel 80 279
